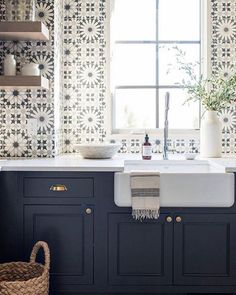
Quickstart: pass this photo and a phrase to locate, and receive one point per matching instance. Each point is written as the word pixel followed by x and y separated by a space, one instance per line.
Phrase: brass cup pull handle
pixel 178 219
pixel 169 219
pixel 58 188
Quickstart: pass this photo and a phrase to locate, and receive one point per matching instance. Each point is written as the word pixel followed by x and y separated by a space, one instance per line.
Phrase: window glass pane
pixel 181 116
pixel 135 20
pixel 179 20
pixel 135 108
pixel 169 73
pixel 134 64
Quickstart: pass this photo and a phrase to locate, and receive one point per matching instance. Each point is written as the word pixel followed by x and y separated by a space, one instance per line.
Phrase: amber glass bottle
pixel 147 149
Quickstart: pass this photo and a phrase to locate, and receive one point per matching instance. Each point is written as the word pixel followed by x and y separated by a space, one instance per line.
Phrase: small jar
pixel 30 69
pixel 9 65
pixel 20 10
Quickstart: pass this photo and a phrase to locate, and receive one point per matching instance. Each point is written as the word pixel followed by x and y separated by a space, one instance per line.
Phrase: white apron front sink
pixel 182 184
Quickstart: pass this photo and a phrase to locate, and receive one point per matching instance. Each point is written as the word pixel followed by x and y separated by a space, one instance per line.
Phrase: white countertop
pixel 63 163
pixel 73 162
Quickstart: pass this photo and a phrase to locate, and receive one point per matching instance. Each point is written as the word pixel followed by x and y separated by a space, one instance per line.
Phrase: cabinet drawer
pixel 58 187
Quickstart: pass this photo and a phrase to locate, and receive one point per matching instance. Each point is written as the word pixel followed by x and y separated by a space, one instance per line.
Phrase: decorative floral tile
pixel 17 106
pixel 74 110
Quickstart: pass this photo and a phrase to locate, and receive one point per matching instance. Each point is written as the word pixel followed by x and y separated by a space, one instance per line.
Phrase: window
pixel 144 37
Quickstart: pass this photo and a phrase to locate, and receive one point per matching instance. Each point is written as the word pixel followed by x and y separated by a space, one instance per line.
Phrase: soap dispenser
pixel 147 149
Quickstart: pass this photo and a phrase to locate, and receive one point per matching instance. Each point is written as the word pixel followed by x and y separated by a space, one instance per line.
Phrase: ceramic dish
pixel 98 151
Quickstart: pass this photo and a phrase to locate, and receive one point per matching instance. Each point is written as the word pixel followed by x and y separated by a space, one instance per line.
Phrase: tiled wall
pixel 75 108
pixel 58 76
pixel 85 45
pixel 16 107
pixel 224 60
pixel 85 75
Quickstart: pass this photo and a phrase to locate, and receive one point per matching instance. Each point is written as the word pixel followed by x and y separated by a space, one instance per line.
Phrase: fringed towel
pixel 145 192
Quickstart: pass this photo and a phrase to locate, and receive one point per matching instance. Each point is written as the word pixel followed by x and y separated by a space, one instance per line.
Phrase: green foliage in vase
pixel 214 93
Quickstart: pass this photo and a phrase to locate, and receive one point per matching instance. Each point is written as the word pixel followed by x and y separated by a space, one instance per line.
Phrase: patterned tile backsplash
pixel 74 110
pixel 17 107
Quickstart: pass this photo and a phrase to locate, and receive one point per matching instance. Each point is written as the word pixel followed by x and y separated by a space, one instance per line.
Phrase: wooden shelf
pixel 23 31
pixel 16 82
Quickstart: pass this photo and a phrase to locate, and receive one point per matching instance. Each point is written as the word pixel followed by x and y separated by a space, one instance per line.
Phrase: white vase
pixel 211 135
pixel 9 65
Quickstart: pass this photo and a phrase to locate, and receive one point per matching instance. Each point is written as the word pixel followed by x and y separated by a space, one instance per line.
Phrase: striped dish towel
pixel 145 192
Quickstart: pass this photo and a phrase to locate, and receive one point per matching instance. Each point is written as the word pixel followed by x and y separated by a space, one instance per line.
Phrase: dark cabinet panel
pixel 204 247
pixel 69 232
pixel 10 218
pixel 104 250
pixel 140 253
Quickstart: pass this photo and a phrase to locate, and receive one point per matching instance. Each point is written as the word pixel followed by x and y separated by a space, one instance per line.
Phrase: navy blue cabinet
pixel 190 250
pixel 69 232
pixel 140 253
pixel 97 247
pixel 205 249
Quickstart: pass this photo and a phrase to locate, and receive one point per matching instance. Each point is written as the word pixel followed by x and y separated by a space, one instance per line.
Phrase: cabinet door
pixel 68 230
pixel 204 252
pixel 140 253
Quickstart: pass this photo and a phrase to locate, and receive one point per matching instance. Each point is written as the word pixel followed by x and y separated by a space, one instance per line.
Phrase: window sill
pixel 136 134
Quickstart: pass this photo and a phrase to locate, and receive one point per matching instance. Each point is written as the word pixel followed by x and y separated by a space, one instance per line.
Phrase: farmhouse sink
pixel 183 183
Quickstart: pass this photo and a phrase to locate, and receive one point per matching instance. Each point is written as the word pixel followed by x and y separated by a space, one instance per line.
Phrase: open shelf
pixel 24 31
pixel 16 82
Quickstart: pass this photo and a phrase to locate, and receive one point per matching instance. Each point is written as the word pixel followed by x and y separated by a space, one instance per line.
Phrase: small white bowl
pixel 99 150
pixel 190 156
pixel 30 69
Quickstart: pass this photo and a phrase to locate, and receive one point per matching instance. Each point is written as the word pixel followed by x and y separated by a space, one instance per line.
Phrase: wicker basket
pixel 22 278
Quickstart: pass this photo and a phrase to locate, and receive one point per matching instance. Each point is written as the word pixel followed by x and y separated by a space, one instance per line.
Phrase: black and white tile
pixel 17 106
pixel 74 110
pixel 85 24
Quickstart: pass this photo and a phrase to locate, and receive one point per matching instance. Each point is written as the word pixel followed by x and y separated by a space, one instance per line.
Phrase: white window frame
pixel 206 40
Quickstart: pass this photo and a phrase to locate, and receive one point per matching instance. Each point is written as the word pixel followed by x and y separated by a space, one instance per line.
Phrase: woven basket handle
pixel 35 250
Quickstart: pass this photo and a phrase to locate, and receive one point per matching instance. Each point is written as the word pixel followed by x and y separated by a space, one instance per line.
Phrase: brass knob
pixel 58 188
pixel 178 219
pixel 169 219
pixel 88 211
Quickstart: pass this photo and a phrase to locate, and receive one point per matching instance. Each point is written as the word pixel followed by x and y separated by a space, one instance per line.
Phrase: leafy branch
pixel 214 93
